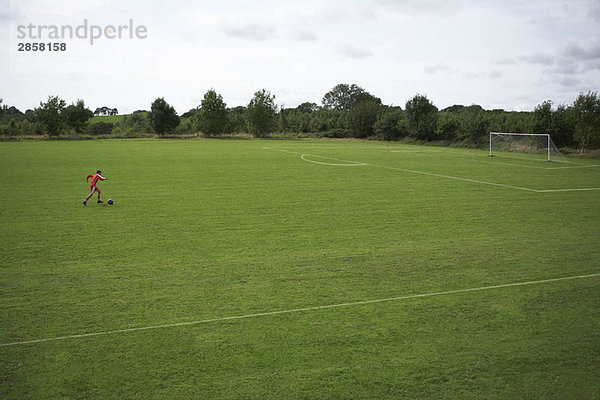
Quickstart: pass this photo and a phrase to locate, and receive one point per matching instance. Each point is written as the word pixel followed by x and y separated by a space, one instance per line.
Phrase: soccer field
pixel 275 269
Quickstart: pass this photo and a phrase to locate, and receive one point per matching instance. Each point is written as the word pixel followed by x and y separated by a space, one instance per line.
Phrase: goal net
pixel 537 146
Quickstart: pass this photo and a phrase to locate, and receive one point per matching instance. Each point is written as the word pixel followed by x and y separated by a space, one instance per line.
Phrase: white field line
pixel 467 158
pixel 485 161
pixel 443 154
pixel 414 151
pixel 576 166
pixel 571 166
pixel 504 155
pixel 339 165
pixel 330 147
pixel 567 190
pixel 295 310
pixel 454 178
pixel 440 175
pixel 415 172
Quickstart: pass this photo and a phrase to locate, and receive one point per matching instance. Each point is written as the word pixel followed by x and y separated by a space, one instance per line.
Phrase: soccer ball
pixel 110 201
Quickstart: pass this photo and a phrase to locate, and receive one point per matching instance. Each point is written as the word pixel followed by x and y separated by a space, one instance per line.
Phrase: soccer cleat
pixel 85 203
pixel 100 201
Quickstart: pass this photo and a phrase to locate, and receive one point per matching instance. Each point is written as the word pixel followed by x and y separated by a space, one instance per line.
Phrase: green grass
pixel 113 119
pixel 207 229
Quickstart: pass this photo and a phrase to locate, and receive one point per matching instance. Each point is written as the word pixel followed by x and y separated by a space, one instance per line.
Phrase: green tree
pixel 363 116
pixel 542 117
pixel 586 113
pixel 51 115
pixel 298 121
pixel 388 124
pixel 474 127
pixel 319 121
pixel 562 129
pixel 14 128
pixel 238 121
pixel 516 122
pixel 77 116
pixel 211 117
pixel 163 117
pixel 284 125
pixel 261 113
pixel 421 117
pixel 307 107
pixel 345 97
pixel 26 128
pixel 448 126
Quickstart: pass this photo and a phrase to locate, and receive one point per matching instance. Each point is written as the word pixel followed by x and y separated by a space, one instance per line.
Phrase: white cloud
pixel 567 68
pixel 345 12
pixel 505 61
pixel 576 51
pixel 354 51
pixel 249 31
pixel 538 58
pixel 591 66
pixel 432 69
pixel 471 75
pixel 594 13
pixel 422 7
pixel 305 36
pixel 569 81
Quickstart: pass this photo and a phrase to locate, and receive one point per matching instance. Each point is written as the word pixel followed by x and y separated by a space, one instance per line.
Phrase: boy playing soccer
pixel 93 187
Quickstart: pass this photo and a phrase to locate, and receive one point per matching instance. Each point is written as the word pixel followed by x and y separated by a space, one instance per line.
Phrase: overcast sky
pixel 496 53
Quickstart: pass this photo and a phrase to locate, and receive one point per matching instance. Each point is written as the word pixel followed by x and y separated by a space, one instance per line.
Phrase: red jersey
pixel 95 179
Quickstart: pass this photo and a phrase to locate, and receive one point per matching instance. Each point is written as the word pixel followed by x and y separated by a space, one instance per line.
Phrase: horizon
pixel 320 105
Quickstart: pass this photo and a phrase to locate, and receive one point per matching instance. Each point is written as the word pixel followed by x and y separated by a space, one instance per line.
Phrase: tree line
pixel 346 111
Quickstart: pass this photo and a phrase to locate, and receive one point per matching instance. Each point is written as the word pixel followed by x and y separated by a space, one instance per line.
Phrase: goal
pixel 539 145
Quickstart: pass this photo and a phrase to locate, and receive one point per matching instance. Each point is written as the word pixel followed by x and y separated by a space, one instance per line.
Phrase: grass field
pixel 224 234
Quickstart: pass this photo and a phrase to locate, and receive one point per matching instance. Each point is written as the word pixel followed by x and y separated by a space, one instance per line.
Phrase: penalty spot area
pixel 345 164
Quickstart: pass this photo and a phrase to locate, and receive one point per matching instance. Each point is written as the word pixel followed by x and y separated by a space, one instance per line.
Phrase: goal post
pixel 525 143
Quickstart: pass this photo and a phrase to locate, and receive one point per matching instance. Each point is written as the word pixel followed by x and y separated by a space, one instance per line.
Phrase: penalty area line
pixel 295 310
pixel 354 164
pixel 412 171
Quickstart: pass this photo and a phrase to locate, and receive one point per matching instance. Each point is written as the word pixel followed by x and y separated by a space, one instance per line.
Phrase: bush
pixel 421 117
pixel 449 126
pixel 363 116
pixel 338 133
pixel 136 123
pixel 186 127
pixel 100 128
pixel 388 125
